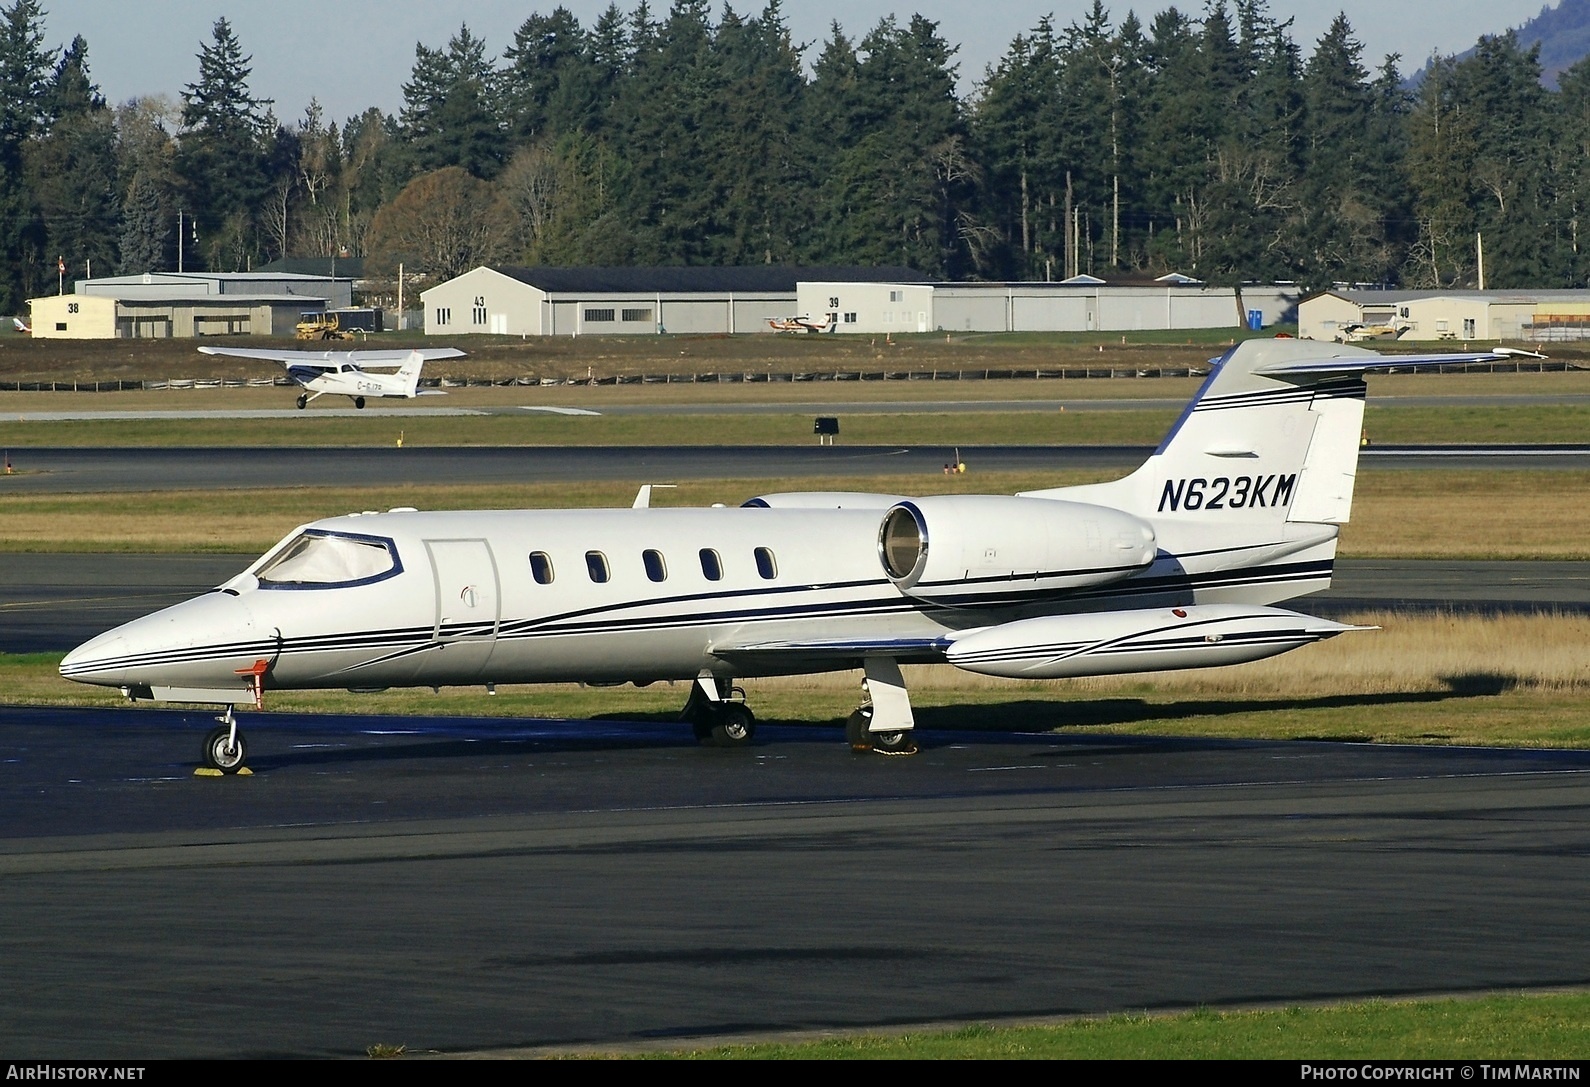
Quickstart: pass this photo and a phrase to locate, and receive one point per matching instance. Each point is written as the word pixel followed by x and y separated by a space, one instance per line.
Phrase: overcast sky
pixel 353 54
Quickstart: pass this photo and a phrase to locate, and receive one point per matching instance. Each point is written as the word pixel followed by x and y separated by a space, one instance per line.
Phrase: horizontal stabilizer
pixel 1313 369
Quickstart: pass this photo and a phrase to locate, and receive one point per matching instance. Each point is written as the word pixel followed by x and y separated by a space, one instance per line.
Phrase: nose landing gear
pixel 224 750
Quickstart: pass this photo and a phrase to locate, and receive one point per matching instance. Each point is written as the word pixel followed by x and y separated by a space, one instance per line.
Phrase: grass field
pixel 1433 513
pixel 1501 1028
pixel 1384 425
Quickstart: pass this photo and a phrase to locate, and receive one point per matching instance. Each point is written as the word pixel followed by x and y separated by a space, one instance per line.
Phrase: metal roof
pixel 674 279
pixel 1391 298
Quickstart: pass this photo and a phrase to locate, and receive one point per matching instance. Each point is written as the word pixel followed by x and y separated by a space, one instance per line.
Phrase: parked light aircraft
pixel 1178 565
pixel 348 373
pixel 21 326
pixel 804 323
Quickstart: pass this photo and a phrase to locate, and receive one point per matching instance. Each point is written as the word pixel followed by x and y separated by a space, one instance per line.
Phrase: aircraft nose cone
pixel 197 642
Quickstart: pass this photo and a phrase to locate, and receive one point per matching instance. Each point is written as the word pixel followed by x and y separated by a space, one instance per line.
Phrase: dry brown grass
pixel 1408 653
pixel 1459 514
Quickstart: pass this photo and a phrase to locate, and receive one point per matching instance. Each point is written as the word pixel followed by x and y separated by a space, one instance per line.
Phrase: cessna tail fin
pixel 409 372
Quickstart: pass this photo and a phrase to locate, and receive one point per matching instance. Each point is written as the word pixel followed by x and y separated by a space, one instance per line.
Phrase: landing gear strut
pixel 883 724
pixel 224 749
pixel 718 714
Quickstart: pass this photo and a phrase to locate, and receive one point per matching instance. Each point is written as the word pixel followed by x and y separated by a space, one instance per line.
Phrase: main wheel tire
pixel 303 401
pixel 733 726
pixel 856 734
pixel 219 755
pixel 358 402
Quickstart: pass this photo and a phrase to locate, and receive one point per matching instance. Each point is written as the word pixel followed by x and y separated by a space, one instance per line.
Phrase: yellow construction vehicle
pixel 321 326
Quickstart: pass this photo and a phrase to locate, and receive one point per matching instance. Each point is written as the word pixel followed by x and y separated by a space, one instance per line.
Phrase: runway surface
pixel 89 469
pixel 51 603
pixel 465 885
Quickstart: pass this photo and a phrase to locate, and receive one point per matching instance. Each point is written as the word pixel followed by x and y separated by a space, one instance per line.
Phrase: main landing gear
pixel 224 749
pixel 358 402
pixel 884 723
pixel 303 401
pixel 718 714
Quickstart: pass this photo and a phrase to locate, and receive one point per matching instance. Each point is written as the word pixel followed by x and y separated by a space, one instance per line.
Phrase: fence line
pixel 1510 366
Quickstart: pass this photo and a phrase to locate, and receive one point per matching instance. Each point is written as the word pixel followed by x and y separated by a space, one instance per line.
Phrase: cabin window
pixel 596 566
pixel 766 565
pixel 711 564
pixel 656 568
pixel 324 559
pixel 541 567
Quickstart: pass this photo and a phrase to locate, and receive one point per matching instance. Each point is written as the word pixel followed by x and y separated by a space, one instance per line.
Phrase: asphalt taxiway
pixel 81 470
pixel 464 885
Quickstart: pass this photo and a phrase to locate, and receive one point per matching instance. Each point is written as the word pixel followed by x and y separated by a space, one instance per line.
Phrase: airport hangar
pixel 161 305
pixel 1536 316
pixel 549 301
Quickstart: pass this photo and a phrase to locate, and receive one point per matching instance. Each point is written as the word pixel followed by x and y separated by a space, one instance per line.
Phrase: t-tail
pixel 1258 473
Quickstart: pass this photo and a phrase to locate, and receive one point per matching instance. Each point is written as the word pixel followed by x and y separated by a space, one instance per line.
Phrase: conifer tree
pixel 221 152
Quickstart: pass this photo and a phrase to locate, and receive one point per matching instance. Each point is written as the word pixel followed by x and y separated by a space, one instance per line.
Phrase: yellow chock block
pixel 206 772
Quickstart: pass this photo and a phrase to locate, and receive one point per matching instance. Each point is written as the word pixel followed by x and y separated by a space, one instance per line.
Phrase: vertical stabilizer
pixel 1254 445
pixel 409 373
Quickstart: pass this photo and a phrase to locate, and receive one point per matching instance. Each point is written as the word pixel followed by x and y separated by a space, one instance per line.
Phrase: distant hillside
pixel 1563 33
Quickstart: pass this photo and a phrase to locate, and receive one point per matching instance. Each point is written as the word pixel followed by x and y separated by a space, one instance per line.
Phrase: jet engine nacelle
pixel 972 550
pixel 1150 640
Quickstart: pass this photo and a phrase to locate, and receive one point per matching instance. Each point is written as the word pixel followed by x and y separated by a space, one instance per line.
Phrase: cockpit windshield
pixel 321 559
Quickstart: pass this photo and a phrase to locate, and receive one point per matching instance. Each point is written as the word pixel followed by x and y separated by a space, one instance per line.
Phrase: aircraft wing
pixel 392 357
pixel 915 649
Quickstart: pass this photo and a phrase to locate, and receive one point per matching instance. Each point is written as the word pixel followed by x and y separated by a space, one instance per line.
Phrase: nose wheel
pixel 224 749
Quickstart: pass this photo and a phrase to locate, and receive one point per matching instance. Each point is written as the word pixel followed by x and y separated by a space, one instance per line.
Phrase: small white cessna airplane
pixel 1175 566
pixel 347 373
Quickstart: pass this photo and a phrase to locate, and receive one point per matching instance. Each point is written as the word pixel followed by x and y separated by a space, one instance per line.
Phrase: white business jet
pixel 1178 565
pixel 348 373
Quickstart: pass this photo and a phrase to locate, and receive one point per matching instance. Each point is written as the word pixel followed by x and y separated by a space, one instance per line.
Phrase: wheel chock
pixel 212 772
